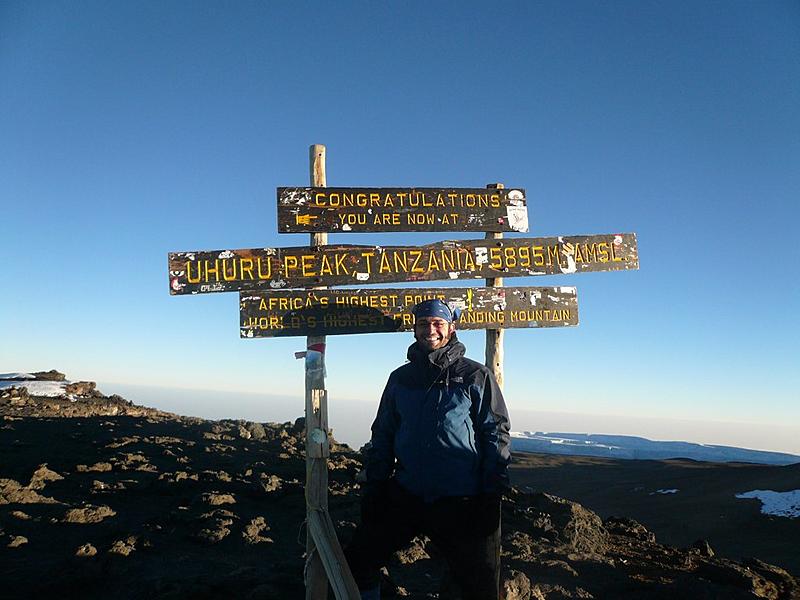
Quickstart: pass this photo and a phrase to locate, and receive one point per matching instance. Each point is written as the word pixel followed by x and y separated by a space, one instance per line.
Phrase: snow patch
pixel 665 491
pixel 779 504
pixel 51 389
pixel 16 376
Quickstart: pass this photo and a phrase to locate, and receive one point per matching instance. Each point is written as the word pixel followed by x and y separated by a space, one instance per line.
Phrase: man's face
pixel 433 332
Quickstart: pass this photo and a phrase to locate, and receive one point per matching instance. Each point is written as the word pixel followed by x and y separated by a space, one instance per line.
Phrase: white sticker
pixel 571 267
pixel 362 276
pixel 515 197
pixel 517 217
pixel 297 196
pixel 481 255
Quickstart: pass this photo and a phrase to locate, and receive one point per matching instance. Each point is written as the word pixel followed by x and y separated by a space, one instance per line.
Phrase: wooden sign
pixel 278 268
pixel 333 312
pixel 337 210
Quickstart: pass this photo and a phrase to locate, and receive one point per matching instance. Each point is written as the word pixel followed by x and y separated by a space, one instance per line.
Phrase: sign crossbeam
pixel 382 310
pixel 279 268
pixel 342 210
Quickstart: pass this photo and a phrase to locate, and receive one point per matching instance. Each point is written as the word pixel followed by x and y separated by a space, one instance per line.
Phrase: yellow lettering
pixel 261 274
pixel 189 277
pixel 385 267
pixel 510 256
pixel 553 253
pixel 308 265
pixel 469 263
pixel 417 255
pixel 495 258
pixel 367 256
pixel 215 270
pixel 432 264
pixel 614 256
pixel 524 256
pixel 225 276
pixel 246 269
pixel 289 264
pixel 340 264
pixel 325 266
pixel 538 256
pixel 400 262
pixel 448 262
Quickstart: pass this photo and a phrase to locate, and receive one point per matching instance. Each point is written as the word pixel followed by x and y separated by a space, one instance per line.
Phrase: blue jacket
pixel 442 427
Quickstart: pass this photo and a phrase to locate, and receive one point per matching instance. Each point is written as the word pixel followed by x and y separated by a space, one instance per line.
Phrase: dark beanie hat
pixel 434 308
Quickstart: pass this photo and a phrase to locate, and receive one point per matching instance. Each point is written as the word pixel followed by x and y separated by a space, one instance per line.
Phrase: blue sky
pixel 129 130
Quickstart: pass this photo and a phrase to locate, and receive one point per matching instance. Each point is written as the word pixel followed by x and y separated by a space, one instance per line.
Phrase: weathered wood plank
pixel 277 268
pixel 338 210
pixel 494 337
pixel 381 310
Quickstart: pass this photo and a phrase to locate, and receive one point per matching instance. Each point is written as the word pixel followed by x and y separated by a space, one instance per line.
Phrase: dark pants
pixel 465 529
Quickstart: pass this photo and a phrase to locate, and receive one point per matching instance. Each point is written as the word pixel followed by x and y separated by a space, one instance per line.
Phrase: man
pixel 438 462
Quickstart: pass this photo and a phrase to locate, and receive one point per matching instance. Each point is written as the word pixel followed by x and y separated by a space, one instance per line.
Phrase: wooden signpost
pixel 271 305
pixel 379 310
pixel 341 210
pixel 278 268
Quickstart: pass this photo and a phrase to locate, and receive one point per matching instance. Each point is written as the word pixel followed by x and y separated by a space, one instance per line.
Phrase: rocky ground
pixel 100 498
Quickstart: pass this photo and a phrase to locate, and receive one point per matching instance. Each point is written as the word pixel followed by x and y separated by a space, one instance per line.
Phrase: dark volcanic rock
pixel 51 375
pixel 629 528
pixel 130 502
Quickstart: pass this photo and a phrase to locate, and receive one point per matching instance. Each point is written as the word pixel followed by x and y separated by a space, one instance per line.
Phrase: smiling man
pixel 437 463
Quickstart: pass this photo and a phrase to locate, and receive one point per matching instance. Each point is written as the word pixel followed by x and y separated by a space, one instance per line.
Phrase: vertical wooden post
pixel 316 417
pixel 494 337
pixel 324 557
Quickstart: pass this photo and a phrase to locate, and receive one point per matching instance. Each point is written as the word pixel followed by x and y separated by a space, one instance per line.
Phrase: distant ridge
pixel 633 447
